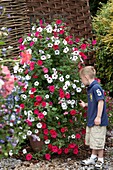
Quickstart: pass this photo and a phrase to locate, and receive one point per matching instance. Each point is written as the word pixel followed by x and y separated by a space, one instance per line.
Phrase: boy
pixel 97 118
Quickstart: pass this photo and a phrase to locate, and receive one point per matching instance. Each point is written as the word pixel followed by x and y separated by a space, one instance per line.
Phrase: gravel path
pixel 58 163
pixel 54 164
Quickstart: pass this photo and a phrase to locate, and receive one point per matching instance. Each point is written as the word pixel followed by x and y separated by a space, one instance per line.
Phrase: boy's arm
pixel 99 112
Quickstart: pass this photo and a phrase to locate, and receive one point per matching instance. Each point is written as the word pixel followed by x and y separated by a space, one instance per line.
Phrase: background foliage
pixel 103 27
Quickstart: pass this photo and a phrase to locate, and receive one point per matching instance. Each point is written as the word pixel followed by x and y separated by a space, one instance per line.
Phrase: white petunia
pixel 61 79
pixel 35 39
pixel 75 52
pixel 74 86
pixel 73 136
pixel 32 119
pixel 29 38
pixel 47 141
pixel 10 152
pixel 47 96
pixel 67 76
pixel 23 96
pixel 43 57
pixel 57 52
pixel 36 131
pixel 57 42
pixel 39 125
pixel 46 76
pixel 11 124
pixel 78 89
pixel 65 87
pixel 64 42
pixel 49 29
pixel 39 29
pixel 30 92
pixel 66 50
pixel 29 51
pixel 67 83
pixel 45 113
pixel 13 117
pixel 54 76
pixel 41 51
pixel 49 80
pixel 69 101
pixel 50 45
pixel 33 28
pixel 29 133
pixel 27 77
pixel 24 151
pixel 24 136
pixel 74 58
pixel 36 83
pixel 25 112
pixel 72 102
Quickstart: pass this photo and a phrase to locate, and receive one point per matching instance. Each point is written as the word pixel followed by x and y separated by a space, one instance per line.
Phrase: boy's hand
pixel 82 103
pixel 97 121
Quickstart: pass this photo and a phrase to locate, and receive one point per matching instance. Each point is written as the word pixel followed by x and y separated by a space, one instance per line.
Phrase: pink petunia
pixel 31 43
pixel 52 88
pixel 22 47
pixel 45 70
pixel 20 40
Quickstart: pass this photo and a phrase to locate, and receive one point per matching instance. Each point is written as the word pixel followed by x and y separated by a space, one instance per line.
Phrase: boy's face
pixel 85 80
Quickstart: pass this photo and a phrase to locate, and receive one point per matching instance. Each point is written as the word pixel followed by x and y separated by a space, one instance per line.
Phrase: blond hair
pixel 88 70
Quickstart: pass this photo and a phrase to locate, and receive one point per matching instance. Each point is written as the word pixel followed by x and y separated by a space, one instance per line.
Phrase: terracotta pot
pixel 35 145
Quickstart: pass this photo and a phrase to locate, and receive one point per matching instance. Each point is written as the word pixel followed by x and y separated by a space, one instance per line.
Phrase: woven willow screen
pixel 20 14
pixel 74 12
pixel 14 17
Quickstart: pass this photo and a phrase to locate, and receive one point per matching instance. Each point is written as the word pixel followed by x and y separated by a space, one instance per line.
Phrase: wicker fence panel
pixel 16 20
pixel 74 12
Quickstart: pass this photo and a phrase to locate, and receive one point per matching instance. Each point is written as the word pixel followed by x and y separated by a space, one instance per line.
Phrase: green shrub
pixel 103 27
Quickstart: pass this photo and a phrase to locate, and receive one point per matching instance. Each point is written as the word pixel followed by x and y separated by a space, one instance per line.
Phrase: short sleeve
pixel 98 93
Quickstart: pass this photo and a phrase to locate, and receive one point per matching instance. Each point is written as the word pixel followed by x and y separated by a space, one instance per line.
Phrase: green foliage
pixel 103 27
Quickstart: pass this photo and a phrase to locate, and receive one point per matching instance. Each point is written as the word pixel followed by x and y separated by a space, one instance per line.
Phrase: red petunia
pixel 58 21
pixel 32 96
pixel 78 136
pixel 43 104
pixel 75 151
pixel 39 98
pixel 28 157
pixel 55 47
pixel 40 62
pixel 46 131
pixel 47 156
pixel 36 111
pixel 22 106
pixel 54 149
pixel 72 112
pixel 66 150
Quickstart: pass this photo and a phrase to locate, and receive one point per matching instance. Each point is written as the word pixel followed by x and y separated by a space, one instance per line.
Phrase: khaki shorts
pixel 95 137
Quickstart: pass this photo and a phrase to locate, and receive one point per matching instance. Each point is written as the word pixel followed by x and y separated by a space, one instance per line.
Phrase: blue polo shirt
pixel 95 93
